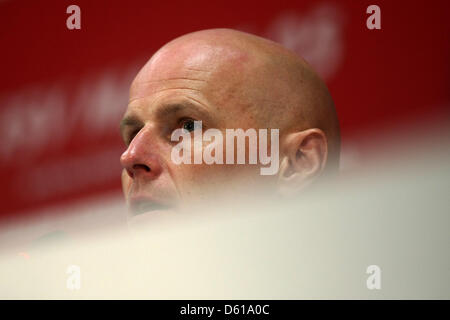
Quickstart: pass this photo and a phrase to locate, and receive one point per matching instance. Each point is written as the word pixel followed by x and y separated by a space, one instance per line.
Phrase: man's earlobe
pixel 304 159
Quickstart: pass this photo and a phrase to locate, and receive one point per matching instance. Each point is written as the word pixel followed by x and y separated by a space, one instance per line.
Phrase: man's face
pixel 179 85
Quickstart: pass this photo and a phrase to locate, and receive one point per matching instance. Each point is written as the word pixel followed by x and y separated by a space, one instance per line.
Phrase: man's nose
pixel 141 158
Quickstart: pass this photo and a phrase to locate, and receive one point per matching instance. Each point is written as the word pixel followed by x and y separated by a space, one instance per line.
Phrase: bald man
pixel 226 79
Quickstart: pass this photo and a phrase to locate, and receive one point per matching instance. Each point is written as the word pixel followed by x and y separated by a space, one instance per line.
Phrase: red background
pixel 53 153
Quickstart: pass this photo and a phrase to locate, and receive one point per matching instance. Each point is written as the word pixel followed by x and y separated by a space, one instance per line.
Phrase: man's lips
pixel 139 205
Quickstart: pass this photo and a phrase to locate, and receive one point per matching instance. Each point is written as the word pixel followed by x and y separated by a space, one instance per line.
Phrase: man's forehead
pixel 183 59
pixel 194 66
pixel 222 75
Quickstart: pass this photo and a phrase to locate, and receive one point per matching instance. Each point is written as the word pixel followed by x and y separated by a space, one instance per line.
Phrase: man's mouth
pixel 140 206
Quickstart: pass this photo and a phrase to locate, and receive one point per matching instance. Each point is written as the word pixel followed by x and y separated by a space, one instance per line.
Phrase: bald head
pixel 265 83
pixel 227 80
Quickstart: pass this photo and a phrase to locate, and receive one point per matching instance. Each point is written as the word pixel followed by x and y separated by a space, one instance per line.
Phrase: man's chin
pixel 149 218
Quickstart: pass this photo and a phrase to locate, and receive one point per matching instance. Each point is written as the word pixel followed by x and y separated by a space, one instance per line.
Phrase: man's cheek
pixel 199 176
pixel 126 183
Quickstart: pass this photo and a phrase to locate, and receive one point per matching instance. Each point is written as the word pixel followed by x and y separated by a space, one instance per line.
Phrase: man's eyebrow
pixel 129 121
pixel 166 111
pixel 174 108
pixel 169 109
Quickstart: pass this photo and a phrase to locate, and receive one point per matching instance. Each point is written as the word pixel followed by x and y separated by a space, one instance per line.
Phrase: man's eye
pixel 188 125
pixel 131 136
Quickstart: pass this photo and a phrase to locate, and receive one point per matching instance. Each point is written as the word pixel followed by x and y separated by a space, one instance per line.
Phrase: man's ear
pixel 304 158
